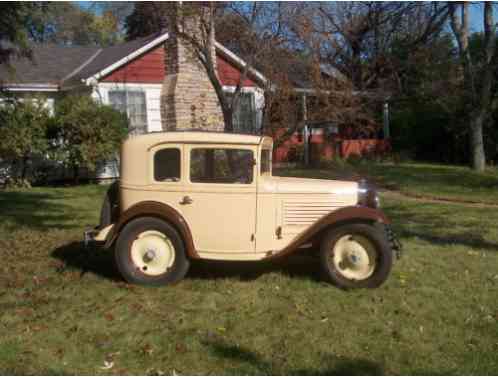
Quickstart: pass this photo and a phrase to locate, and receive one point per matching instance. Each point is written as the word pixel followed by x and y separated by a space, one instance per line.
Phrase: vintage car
pixel 207 195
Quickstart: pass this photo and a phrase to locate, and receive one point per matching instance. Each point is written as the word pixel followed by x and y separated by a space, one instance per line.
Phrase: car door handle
pixel 186 200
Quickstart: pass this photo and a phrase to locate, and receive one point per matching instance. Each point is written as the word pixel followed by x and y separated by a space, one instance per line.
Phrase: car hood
pixel 288 185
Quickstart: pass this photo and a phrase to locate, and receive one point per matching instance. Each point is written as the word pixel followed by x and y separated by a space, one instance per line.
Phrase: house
pixel 135 77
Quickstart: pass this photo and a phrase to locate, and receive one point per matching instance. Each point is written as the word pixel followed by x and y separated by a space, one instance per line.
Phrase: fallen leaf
pixel 107 365
pixel 109 317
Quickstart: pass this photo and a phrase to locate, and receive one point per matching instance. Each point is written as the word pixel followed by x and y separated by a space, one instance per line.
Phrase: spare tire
pixel 110 206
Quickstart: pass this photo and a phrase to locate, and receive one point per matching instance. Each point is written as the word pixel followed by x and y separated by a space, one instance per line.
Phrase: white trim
pixel 239 61
pixel 126 59
pixel 32 87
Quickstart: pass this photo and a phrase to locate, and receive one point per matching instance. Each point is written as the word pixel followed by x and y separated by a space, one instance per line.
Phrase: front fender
pixel 159 210
pixel 345 215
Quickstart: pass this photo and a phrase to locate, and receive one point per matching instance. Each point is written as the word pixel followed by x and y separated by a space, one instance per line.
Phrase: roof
pixel 51 64
pixel 54 65
pixel 194 137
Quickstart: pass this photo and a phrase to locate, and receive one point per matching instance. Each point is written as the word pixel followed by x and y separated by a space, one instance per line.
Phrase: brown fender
pixel 155 209
pixel 346 215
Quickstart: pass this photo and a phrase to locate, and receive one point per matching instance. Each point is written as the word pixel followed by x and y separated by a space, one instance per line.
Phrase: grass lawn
pixel 65 310
pixel 427 180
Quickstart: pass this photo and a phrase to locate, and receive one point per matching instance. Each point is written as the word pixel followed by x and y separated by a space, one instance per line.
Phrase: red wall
pixel 322 147
pixel 149 68
pixel 229 74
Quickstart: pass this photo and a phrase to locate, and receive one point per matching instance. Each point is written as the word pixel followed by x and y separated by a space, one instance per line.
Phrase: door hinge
pixel 252 237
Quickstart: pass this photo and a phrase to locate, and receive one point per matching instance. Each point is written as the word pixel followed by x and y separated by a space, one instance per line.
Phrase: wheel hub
pixel 152 253
pixel 149 256
pixel 354 257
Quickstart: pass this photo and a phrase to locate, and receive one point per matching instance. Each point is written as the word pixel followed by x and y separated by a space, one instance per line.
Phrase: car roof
pixel 195 137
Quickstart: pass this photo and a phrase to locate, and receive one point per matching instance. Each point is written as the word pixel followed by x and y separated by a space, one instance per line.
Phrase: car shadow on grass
pixel 299 265
pixel 101 263
pixel 330 366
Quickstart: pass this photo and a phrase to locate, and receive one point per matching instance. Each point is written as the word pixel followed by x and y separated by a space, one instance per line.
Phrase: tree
pixel 147 17
pixel 14 23
pixel 86 132
pixel 478 78
pixel 67 23
pixel 23 128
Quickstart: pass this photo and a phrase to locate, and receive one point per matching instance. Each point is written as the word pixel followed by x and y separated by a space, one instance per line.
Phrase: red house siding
pixel 149 68
pixel 229 74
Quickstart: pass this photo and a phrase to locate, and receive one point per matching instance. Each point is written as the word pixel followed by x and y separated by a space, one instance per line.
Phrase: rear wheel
pixel 356 256
pixel 149 251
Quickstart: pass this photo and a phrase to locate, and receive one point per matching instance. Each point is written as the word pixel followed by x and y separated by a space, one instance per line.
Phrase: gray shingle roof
pixel 50 65
pixel 66 65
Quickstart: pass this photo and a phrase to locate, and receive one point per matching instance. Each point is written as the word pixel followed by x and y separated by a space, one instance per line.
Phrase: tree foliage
pixel 23 131
pixel 15 21
pixel 87 132
pixel 69 24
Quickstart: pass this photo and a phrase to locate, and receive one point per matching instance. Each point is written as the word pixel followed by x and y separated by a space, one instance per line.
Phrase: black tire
pixel 110 206
pixel 384 256
pixel 132 273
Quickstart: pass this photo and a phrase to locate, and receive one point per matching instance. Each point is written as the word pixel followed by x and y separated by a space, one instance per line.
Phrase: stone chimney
pixel 188 99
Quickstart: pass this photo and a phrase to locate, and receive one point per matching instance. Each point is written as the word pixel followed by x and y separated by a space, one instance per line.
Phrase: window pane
pixel 221 166
pixel 244 115
pixel 134 104
pixel 167 165
pixel 265 161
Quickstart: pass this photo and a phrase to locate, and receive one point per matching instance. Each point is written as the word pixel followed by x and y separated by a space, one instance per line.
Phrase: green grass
pixel 447 182
pixel 65 310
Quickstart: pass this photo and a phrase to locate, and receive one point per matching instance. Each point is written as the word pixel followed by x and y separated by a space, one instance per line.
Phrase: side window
pixel 265 161
pixel 210 165
pixel 167 165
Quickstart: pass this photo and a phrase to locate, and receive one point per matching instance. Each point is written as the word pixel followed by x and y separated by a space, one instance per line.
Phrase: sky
pixel 476 14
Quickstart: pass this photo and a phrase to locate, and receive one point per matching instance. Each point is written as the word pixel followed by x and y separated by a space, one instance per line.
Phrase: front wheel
pixel 150 251
pixel 356 256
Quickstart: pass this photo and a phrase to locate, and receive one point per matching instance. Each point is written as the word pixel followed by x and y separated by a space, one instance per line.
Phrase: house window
pixel 134 104
pixel 209 165
pixel 245 116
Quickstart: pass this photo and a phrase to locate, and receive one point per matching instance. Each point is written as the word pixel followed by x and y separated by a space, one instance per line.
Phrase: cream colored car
pixel 206 195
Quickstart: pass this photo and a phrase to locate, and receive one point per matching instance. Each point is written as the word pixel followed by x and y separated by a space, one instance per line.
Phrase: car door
pixel 220 198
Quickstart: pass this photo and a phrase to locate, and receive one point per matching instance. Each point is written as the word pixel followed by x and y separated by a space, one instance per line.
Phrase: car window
pixel 167 165
pixel 213 165
pixel 265 161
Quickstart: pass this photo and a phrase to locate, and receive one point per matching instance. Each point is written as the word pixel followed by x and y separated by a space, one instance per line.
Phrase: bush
pixel 23 131
pixel 86 132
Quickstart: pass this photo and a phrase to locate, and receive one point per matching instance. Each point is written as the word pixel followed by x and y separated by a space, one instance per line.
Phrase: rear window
pixel 212 165
pixel 167 165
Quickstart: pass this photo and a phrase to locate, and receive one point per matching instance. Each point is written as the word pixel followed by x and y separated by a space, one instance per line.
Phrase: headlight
pixel 367 195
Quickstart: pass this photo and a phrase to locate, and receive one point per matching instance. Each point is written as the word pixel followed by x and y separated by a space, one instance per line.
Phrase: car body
pixel 217 193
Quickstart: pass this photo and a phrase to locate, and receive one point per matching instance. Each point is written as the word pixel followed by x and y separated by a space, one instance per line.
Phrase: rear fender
pixel 346 215
pixel 159 210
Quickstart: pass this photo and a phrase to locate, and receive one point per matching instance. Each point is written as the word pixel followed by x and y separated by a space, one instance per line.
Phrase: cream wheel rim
pixel 152 253
pixel 354 256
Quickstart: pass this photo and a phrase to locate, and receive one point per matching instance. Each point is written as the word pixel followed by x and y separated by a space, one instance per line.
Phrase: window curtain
pixel 134 105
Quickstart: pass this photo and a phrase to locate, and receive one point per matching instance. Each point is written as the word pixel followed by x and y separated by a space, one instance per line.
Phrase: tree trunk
pixel 477 143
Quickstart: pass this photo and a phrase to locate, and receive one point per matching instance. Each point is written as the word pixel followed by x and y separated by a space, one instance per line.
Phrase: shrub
pixel 23 127
pixel 86 132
